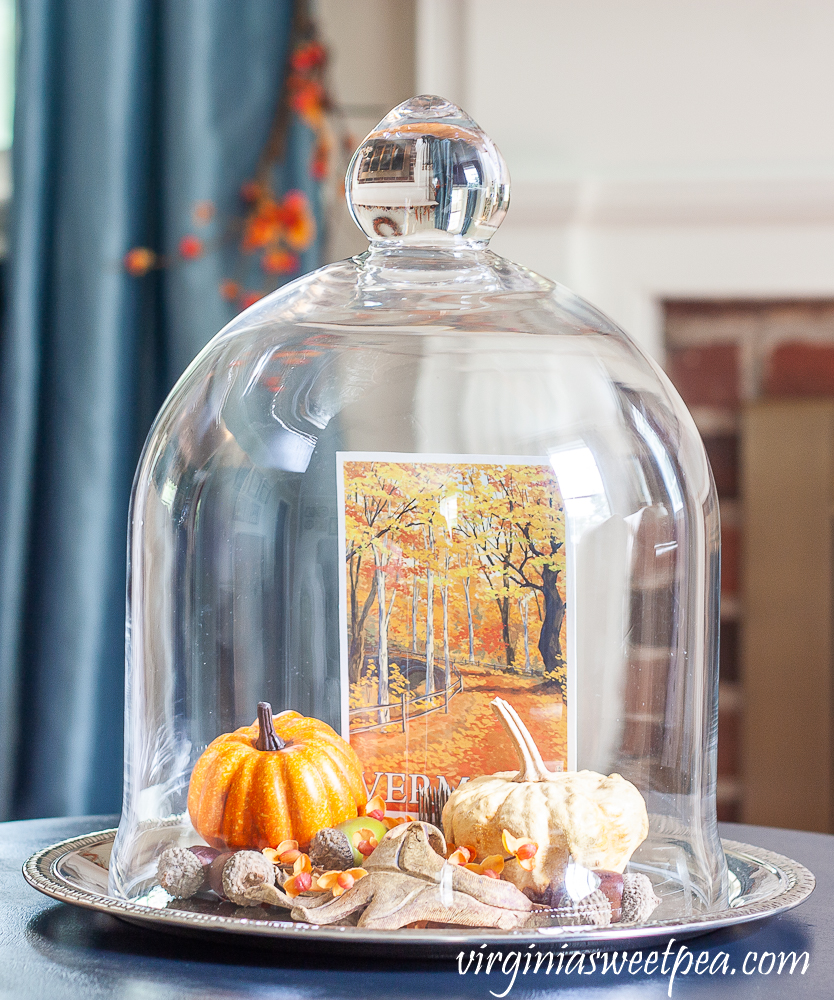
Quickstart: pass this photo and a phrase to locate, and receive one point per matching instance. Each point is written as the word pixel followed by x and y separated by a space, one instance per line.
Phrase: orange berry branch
pixel 274 227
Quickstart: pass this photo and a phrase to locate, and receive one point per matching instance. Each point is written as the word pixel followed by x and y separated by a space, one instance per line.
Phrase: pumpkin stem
pixel 268 739
pixel 532 766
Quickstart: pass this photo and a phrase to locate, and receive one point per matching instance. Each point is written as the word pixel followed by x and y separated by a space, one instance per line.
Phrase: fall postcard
pixel 453 593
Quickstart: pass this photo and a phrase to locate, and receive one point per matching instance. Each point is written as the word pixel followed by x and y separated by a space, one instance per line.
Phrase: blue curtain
pixel 129 112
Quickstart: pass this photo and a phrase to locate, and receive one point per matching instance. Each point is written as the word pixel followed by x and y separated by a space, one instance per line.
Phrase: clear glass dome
pixel 445 507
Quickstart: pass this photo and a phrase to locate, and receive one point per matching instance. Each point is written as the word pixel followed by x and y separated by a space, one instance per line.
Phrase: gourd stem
pixel 532 766
pixel 268 739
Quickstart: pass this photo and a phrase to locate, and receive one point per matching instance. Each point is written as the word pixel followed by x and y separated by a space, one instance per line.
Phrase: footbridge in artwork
pixel 414 702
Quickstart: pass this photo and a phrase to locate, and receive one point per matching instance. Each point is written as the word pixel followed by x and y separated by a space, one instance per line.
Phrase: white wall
pixel 372 52
pixel 657 148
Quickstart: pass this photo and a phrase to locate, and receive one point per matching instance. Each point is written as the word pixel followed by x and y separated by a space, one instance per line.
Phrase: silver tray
pixel 762 884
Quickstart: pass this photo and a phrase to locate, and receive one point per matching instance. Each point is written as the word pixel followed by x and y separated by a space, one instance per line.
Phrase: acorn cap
pixel 330 849
pixel 180 872
pixel 593 909
pixel 245 871
pixel 639 900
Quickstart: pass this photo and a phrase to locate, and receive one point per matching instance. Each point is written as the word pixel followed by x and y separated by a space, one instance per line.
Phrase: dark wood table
pixel 51 951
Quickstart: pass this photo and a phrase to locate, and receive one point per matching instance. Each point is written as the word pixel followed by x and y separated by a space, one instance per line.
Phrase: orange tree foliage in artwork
pixel 453 561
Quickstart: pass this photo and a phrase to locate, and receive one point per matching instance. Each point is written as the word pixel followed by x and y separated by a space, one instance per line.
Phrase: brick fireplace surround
pixel 723 356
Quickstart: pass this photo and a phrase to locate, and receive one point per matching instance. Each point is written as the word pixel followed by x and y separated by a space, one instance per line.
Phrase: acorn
pixel 204 854
pixel 611 884
pixel 215 872
pixel 182 872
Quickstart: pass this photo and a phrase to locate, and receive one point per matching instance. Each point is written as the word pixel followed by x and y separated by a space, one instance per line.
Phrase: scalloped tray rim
pixel 40 872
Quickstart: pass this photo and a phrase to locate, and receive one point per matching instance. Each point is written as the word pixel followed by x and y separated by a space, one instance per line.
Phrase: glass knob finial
pixel 427 174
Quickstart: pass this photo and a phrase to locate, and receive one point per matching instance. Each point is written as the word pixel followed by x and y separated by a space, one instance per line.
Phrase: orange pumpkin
pixel 282 778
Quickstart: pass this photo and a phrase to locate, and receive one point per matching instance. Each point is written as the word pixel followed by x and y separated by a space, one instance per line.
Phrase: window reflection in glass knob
pixel 428 175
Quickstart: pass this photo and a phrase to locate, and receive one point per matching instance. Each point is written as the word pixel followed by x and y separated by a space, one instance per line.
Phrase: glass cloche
pixel 423 591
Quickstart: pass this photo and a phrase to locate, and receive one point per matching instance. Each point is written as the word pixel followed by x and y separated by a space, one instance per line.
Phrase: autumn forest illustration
pixel 455 593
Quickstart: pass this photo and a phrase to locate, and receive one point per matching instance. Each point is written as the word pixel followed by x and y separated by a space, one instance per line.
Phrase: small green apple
pixel 350 827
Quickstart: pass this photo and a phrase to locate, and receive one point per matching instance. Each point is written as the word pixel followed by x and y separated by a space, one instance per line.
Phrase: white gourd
pixel 599 821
